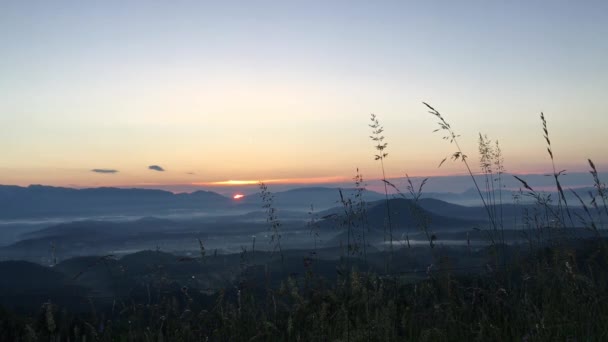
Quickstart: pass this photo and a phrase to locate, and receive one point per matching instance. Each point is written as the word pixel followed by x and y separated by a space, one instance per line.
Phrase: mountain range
pixel 38 201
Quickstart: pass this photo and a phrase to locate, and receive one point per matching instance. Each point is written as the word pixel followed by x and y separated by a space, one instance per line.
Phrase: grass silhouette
pixel 548 292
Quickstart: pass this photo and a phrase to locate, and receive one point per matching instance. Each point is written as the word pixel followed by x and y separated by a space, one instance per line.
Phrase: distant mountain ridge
pixel 39 201
pixel 319 197
pixel 48 201
pixel 402 215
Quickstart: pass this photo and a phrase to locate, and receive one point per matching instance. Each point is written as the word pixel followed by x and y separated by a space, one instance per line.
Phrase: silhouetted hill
pixel 470 197
pixel 46 201
pixel 88 237
pixel 506 211
pixel 320 197
pixel 25 285
pixel 37 201
pixel 450 210
pixel 89 229
pixel 146 261
pixel 467 212
pixel 23 276
pixel 104 275
pixel 404 213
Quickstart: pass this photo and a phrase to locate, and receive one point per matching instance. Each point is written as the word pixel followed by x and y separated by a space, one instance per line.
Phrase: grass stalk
pixel 380 146
pixel 453 138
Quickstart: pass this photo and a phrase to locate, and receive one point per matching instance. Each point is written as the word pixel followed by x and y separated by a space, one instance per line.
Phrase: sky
pixel 192 93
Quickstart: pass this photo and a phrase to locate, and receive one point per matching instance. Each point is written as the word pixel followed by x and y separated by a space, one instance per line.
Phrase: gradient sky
pixel 224 90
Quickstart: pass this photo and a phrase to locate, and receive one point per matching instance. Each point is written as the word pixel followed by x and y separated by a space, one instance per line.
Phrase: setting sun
pixel 238 196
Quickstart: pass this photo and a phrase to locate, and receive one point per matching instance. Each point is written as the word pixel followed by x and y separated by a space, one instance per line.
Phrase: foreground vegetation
pixel 552 288
pixel 550 294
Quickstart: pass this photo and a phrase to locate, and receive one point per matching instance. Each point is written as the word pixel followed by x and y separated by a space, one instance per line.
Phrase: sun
pixel 238 196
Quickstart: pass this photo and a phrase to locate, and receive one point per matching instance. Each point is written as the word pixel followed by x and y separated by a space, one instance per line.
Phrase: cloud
pixel 156 168
pixel 190 173
pixel 108 171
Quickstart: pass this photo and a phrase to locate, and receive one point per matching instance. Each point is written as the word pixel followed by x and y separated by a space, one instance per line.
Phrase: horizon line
pixel 229 184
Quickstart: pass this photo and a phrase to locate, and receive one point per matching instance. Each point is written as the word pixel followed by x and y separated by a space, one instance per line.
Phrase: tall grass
pixel 452 138
pixel 492 167
pixel 562 202
pixel 600 188
pixel 272 218
pixel 545 294
pixel 381 155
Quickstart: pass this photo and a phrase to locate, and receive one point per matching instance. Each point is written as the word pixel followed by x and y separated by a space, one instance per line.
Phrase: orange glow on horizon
pixel 238 196
pixel 313 180
pixel 230 182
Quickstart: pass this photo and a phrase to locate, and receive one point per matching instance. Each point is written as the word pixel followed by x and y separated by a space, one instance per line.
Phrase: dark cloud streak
pixel 156 168
pixel 105 171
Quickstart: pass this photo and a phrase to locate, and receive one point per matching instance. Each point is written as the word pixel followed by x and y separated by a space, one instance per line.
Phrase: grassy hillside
pixel 548 283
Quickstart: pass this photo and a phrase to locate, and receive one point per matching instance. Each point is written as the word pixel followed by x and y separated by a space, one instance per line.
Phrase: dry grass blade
pixel 599 186
pixel 524 183
pixel 556 175
pixel 453 138
pixel 377 137
pixel 271 218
